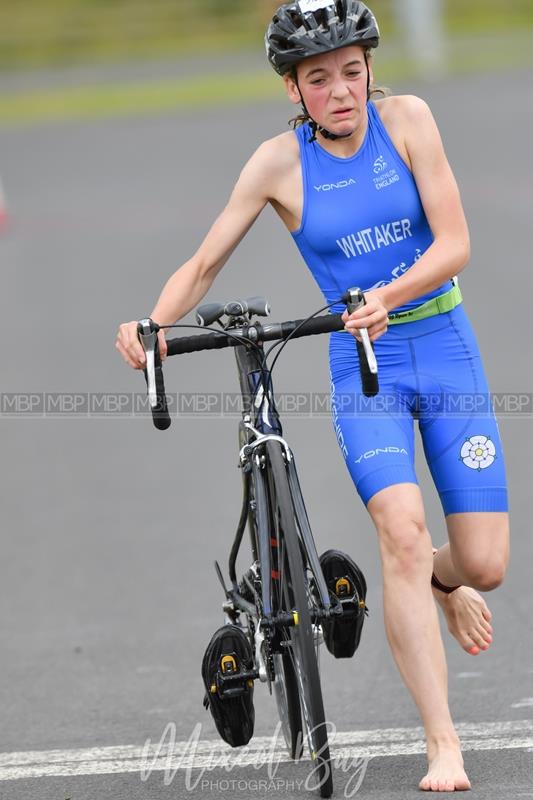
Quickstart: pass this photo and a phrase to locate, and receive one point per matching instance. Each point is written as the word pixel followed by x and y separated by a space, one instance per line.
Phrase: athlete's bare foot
pixel 468 618
pixel 446 770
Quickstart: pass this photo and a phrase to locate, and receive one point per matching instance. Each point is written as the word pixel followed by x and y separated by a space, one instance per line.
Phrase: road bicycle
pixel 283 597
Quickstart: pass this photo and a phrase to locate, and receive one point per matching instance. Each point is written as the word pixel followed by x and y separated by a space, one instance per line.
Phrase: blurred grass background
pixel 55 37
pixel 62 32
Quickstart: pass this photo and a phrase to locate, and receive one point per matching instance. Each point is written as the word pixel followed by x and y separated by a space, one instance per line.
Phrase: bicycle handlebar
pixel 256 333
pixel 153 373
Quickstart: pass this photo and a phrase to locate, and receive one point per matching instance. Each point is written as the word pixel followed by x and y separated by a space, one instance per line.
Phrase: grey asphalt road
pixel 109 528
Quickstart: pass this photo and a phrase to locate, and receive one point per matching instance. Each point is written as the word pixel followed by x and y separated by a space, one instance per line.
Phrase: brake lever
pixel 147 331
pixel 357 299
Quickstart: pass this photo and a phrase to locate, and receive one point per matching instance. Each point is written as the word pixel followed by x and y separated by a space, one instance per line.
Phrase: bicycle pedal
pixel 226 669
pixel 347 585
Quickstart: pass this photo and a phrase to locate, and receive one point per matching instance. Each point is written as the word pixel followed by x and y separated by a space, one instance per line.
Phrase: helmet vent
pixel 301 30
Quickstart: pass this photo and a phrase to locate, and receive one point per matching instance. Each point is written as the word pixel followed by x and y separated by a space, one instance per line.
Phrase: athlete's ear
pixel 370 70
pixel 293 93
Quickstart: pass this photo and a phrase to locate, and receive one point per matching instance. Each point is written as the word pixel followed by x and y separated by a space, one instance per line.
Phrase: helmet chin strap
pixel 315 127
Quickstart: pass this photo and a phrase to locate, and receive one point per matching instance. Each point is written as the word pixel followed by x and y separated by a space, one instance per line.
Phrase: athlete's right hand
pixel 130 348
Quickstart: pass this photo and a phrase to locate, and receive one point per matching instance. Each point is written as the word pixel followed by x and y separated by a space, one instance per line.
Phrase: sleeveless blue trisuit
pixel 363 225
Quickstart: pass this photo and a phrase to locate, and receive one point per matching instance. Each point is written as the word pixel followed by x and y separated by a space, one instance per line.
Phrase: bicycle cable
pixel 238 339
pixel 265 372
pixel 281 344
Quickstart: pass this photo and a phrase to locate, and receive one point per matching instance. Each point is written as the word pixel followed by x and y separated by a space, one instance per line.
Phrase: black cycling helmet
pixel 309 27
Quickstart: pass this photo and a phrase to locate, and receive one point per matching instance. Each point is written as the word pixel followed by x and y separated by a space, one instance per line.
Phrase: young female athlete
pixel 367 193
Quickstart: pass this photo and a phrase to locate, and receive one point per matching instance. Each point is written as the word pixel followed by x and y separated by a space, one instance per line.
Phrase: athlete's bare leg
pixel 412 627
pixel 475 558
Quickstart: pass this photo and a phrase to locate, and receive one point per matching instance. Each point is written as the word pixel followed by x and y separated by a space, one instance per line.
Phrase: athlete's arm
pixel 417 138
pixel 189 284
pixel 450 251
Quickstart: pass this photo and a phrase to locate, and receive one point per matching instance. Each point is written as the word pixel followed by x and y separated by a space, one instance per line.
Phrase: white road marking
pixel 469 674
pixel 525 702
pixel 210 753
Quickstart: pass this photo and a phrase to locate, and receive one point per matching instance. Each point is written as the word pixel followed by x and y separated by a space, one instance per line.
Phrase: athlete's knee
pixel 404 539
pixel 486 576
pixel 480 551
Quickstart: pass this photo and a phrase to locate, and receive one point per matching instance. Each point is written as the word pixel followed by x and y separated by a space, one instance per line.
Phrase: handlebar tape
pixel 160 415
pixel 368 379
pixel 216 341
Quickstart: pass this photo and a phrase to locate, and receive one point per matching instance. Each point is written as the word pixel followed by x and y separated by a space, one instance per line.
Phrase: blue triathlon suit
pixel 363 225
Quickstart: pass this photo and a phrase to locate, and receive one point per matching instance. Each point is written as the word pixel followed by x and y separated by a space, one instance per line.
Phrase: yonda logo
pixel 329 187
pixel 378 451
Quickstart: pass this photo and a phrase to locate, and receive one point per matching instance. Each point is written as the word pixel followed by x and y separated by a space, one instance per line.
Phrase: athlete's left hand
pixel 373 316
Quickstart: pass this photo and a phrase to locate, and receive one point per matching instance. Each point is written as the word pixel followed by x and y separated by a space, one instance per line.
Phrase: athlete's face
pixel 334 88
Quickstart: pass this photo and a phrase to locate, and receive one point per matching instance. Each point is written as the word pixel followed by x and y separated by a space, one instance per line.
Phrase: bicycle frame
pixel 284 623
pixel 255 509
pixel 258 405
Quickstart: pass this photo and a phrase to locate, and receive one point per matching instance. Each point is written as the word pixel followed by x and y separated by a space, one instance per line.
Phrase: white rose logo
pixel 478 452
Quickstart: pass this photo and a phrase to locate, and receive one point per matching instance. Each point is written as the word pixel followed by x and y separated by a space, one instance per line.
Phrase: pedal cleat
pixel 228 664
pixel 343 587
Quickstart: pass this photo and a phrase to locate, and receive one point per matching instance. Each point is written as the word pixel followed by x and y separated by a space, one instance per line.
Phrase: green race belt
pixel 437 305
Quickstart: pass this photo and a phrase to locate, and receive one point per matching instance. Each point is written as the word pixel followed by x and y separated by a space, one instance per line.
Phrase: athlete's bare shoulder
pixel 404 104
pixel 284 144
pixel 402 116
pixel 275 158
pixel 401 108
pixel 273 175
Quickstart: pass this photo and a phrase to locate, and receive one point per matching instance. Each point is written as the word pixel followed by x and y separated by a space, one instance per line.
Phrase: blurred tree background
pixel 36 33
